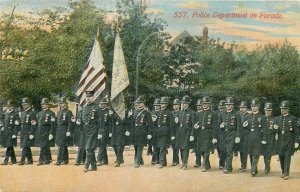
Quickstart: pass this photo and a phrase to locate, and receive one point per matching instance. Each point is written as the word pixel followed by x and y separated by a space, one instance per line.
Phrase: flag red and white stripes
pixel 93 76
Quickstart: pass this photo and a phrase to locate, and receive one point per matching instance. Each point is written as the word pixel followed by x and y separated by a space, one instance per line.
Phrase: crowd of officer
pixel 227 130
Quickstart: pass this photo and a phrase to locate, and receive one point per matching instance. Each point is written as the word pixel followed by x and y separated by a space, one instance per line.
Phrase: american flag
pixel 93 76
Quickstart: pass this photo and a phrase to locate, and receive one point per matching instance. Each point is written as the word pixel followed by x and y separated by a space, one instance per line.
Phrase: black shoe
pixel 65 163
pixel 184 168
pixel 93 169
pixel 221 167
pixel 76 164
pixel 174 164
pixel 39 164
pixel 286 177
pixel 282 176
pixel 153 163
pixel 85 170
pixel 160 166
pixel 58 163
pixel 196 165
pixel 266 172
pixel 12 163
pixel 136 165
pixel 29 162
pixel 253 173
pixel 225 171
pixel 117 165
pixel 21 163
pixel 47 162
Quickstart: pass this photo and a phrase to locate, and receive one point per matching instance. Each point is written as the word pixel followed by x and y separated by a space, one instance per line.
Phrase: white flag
pixel 119 80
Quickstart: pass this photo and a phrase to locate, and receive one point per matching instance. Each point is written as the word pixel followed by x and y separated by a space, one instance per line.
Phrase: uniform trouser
pixel 90 159
pixel 62 154
pixel 206 162
pixel 155 154
pixel 175 154
pixel 149 151
pixel 138 158
pixel 222 157
pixel 44 155
pixel 228 160
pixel 10 152
pixel 285 161
pixel 102 154
pixel 26 153
pixel 243 159
pixel 184 154
pixel 81 155
pixel 254 163
pixel 48 152
pixel 198 157
pixel 119 149
pixel 267 160
pixel 163 156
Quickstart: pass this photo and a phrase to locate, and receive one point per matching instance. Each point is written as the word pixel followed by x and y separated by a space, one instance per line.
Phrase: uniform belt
pixel 252 130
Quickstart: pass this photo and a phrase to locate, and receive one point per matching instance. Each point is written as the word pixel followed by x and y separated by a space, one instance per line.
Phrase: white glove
pixel 237 140
pixel 196 126
pixel 13 136
pixel 276 137
pixel 275 126
pixel 245 124
pixel 2 129
pixel 154 117
pixel 78 122
pixel 214 141
pixel 31 137
pixel 129 113
pixel 191 138
pixel 110 112
pixel 99 136
pixel 176 120
pixel 263 142
pixel 127 133
pixel 296 145
pixel 222 125
pixel 172 138
pixel 110 134
pixel 149 136
pixel 68 134
pixel 50 137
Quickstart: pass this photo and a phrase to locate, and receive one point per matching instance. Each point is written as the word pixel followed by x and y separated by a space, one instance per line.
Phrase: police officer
pixel 288 138
pixel 153 141
pixel 65 123
pixel 104 133
pixel 183 135
pixel 164 131
pixel 229 123
pixel 9 132
pixel 256 125
pixel 45 132
pixel 221 135
pixel 242 147
pixel 205 129
pixel 197 116
pixel 142 130
pixel 91 119
pixel 118 138
pixel 28 128
pixel 269 148
pixel 175 113
pixel 79 139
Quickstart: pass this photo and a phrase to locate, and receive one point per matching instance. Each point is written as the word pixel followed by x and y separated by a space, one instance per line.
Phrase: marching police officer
pixel 153 140
pixel 256 125
pixel 220 135
pixel 175 113
pixel 104 133
pixel 244 137
pixel 183 135
pixel 269 148
pixel 197 151
pixel 288 138
pixel 65 122
pixel 229 123
pixel 142 130
pixel 28 128
pixel 79 139
pixel 9 132
pixel 118 138
pixel 45 132
pixel 164 131
pixel 91 119
pixel 205 129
